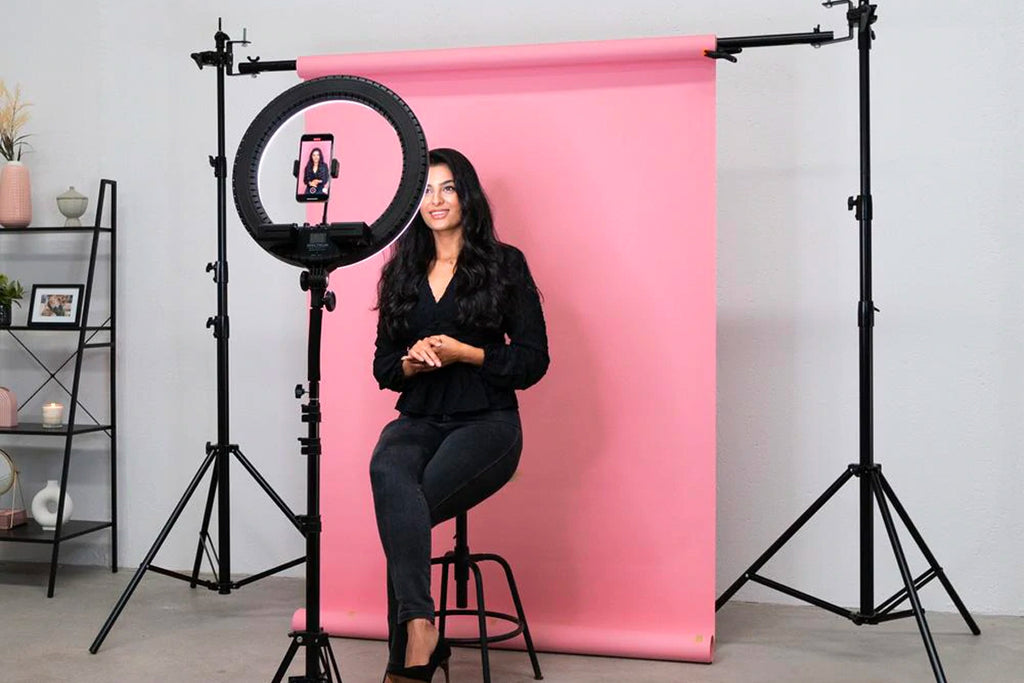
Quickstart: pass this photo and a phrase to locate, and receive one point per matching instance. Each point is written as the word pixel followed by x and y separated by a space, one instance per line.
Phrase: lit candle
pixel 53 415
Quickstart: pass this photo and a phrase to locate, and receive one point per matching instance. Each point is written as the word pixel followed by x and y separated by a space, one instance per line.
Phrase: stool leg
pixel 461 560
pixel 443 614
pixel 482 617
pixel 521 614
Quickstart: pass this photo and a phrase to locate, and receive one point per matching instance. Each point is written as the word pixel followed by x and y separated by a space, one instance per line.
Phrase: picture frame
pixel 55 306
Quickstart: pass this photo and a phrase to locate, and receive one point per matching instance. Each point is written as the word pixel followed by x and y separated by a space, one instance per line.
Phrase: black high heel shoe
pixel 439 658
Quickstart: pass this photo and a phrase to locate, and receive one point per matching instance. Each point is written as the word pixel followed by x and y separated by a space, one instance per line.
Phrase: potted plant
pixel 11 291
pixel 15 185
pixel 13 117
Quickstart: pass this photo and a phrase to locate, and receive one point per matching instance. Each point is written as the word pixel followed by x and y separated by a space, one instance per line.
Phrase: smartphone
pixel 313 181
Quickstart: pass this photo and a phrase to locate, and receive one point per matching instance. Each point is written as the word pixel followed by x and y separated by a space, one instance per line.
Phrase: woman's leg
pixel 431 470
pixel 475 459
pixel 403 521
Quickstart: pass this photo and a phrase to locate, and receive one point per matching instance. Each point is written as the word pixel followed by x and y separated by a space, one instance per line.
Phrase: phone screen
pixel 316 150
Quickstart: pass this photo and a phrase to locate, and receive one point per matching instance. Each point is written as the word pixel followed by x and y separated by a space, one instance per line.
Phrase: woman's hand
pixel 412 367
pixel 448 349
pixel 420 358
pixel 422 352
pixel 437 351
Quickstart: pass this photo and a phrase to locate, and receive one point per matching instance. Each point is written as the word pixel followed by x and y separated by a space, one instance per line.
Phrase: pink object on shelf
pixel 8 408
pixel 12 518
pixel 15 195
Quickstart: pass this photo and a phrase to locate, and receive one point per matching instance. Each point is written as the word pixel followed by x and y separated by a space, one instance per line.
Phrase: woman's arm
pixel 522 361
pixel 388 367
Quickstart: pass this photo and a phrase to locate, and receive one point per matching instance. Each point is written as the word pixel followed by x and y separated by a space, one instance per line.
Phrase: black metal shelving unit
pixel 101 337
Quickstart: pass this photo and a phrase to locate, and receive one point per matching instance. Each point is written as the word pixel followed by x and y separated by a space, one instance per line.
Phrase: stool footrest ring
pixel 490 638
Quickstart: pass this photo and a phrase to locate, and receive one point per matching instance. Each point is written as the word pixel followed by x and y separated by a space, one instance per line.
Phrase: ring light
pixel 330 245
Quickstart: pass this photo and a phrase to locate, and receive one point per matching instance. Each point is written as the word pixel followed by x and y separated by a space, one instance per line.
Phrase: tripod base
pixel 886 611
pixel 222 582
pixel 320 661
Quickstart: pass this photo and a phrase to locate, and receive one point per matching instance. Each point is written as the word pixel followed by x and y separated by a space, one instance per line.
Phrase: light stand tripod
pixel 217 455
pixel 320 661
pixel 873 485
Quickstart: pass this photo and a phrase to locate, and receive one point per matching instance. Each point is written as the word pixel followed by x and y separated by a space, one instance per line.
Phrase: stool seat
pixel 463 562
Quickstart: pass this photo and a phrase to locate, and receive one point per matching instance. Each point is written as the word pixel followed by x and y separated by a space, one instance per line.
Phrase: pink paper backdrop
pixel 599 161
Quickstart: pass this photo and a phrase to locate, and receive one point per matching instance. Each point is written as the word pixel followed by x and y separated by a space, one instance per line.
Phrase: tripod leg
pixel 901 511
pixel 784 538
pixel 288 656
pixel 263 484
pixel 133 584
pixel 204 530
pixel 908 579
pixel 330 657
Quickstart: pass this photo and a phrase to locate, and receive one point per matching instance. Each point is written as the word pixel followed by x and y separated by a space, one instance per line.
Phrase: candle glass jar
pixel 53 415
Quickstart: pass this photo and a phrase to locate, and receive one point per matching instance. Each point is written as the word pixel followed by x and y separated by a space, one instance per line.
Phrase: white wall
pixel 116 95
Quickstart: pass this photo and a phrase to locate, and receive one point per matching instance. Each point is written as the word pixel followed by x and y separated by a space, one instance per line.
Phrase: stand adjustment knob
pixel 330 301
pixel 300 391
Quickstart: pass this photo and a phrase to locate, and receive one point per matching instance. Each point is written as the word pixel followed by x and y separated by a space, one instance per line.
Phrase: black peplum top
pixel 515 357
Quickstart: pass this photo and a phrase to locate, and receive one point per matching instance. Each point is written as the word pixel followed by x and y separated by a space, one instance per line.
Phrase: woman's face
pixel 315 156
pixel 440 207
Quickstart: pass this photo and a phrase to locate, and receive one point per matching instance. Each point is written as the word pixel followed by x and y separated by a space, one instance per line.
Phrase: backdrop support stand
pixel 873 485
pixel 218 455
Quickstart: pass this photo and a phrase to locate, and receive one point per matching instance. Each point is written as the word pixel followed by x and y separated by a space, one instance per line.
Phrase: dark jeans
pixel 424 471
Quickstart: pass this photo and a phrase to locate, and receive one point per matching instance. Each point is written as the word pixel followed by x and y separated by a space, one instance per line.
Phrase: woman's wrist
pixel 472 355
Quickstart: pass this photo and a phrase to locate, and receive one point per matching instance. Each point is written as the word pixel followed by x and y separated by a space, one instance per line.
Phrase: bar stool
pixel 463 562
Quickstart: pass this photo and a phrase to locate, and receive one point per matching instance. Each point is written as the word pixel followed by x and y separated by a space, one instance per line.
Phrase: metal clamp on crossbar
pixel 726 53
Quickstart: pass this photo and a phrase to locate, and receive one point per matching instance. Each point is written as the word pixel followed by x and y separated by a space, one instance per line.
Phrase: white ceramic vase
pixel 44 505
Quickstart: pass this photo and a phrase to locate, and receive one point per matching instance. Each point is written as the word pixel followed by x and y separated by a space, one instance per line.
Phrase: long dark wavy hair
pixel 482 286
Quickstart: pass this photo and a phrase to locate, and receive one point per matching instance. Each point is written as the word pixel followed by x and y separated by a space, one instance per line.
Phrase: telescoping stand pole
pixel 218 456
pixel 873 485
pixel 320 661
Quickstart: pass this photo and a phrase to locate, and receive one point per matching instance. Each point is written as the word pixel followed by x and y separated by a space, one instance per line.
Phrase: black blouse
pixel 508 365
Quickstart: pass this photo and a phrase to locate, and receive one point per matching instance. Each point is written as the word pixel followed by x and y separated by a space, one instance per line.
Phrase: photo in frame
pixel 55 305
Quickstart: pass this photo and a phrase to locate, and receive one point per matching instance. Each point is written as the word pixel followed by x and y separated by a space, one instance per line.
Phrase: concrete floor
pixel 170 633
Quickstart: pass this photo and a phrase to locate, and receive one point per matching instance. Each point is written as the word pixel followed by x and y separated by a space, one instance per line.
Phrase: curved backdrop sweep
pixel 599 160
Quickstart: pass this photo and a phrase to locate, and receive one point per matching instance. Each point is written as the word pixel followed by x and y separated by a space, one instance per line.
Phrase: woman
pixel 315 175
pixel 448 297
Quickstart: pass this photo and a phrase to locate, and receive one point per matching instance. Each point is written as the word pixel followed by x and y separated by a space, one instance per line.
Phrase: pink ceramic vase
pixel 15 196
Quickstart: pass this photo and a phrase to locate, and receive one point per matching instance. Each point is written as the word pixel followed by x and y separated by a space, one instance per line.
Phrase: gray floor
pixel 171 633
